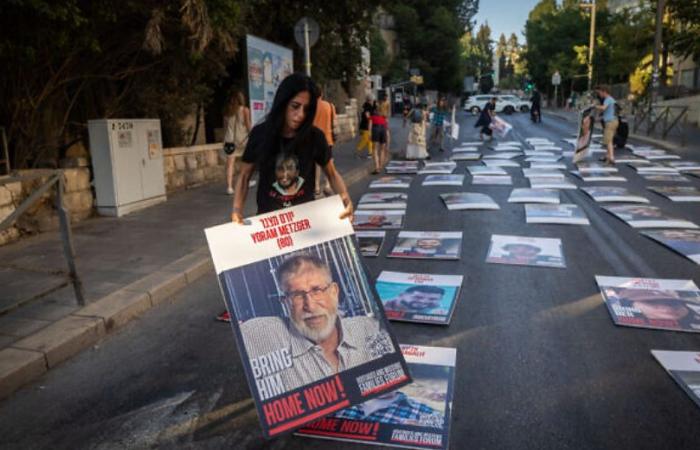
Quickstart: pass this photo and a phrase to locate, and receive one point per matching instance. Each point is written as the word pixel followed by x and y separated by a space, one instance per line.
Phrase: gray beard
pixel 316 335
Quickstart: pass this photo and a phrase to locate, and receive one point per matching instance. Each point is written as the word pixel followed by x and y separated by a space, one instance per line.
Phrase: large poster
pixel 268 65
pixel 525 251
pixel 586 120
pixel 310 331
pixel 652 303
pixel 415 416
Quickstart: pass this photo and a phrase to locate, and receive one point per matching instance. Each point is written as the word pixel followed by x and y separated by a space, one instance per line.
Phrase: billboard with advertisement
pixel 268 64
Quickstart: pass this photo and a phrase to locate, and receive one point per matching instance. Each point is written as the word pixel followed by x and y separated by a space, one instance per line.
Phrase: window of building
pixel 687 78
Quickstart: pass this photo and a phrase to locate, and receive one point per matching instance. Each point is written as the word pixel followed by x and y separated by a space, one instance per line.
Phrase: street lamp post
pixel 591 42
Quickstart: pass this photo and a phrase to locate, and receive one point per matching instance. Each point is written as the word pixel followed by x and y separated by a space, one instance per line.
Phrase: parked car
pixel 505 105
pixel 521 104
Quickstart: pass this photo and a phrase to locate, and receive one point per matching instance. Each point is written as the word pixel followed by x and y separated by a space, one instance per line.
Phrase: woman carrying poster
pixel 285 148
pixel 488 112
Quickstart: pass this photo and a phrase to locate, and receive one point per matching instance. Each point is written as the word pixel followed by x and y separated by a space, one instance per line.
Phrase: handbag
pixel 229 148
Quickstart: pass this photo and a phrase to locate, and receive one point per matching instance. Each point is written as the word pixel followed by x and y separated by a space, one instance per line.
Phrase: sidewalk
pixel 671 143
pixel 127 265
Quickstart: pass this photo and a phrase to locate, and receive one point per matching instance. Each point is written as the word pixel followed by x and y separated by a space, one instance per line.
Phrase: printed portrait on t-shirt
pixel 288 183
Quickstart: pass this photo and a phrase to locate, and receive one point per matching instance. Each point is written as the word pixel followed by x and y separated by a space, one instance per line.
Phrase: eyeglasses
pixel 314 293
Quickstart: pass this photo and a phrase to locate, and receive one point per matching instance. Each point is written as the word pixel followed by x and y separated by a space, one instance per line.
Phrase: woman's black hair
pixel 275 119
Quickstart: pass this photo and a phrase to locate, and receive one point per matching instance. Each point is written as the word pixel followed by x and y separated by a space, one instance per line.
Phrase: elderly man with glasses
pixel 319 341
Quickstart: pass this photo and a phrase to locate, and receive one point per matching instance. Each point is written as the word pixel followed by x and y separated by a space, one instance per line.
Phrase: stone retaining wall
pixel 41 216
pixel 188 167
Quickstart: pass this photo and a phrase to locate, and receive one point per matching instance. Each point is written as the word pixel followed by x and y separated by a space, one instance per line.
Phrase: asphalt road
pixel 540 363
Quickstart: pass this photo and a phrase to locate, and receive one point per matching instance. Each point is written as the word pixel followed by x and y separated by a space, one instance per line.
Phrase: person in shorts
pixel 609 120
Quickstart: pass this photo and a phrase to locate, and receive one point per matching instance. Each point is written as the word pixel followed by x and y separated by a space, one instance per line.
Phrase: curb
pixel 644 139
pixel 31 357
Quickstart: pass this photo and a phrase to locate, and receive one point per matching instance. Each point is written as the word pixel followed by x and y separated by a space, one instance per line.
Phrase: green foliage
pixel 477 51
pixel 378 53
pixel 684 31
pixel 429 32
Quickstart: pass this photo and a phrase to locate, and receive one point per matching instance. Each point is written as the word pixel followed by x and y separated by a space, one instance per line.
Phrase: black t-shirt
pixel 287 177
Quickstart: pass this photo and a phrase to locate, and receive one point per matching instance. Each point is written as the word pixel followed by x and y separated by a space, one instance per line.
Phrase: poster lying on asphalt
pixel 484 170
pixel 391 182
pixel 550 183
pixel 386 219
pixel 586 121
pixel 667 178
pixel 370 242
pixel 599 177
pixel 418 297
pixel 685 242
pixel 427 245
pixel 525 251
pixel 594 167
pixel 654 169
pixel 684 368
pixel 401 167
pixel 503 155
pixel 498 180
pixel 416 416
pixel 548 165
pixel 501 163
pixel 455 201
pixel 645 216
pixel 659 304
pixel 613 194
pixel 528 195
pixel 383 200
pixel 443 180
pixel 684 166
pixel 547 173
pixel 678 193
pixel 564 214
pixel 466 156
pixel 438 168
pixel 293 280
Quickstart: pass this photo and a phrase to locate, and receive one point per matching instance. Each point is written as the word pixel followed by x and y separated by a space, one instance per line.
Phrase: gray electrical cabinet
pixel 127 163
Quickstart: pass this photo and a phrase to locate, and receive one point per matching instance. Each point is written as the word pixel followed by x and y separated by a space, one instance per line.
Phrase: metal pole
pixel 660 4
pixel 307 49
pixel 67 240
pixel 556 96
pixel 591 44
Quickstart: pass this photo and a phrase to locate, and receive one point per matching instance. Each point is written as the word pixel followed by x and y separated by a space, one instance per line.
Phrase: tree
pixel 684 40
pixel 429 34
pixel 66 61
pixel 378 55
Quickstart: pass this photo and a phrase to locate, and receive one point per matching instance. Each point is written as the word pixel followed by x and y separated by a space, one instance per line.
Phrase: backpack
pixel 416 116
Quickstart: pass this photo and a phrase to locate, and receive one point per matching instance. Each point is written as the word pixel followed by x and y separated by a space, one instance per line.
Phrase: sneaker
pixel 224 317
pixel 229 191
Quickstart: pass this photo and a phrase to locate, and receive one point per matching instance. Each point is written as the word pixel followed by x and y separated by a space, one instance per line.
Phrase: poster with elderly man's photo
pixel 660 304
pixel 415 416
pixel 311 333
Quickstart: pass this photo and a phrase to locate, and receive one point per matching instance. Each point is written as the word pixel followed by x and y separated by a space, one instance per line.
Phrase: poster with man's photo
pixel 684 368
pixel 438 168
pixel 370 242
pixel 311 333
pixel 371 219
pixel 418 297
pixel 443 180
pixel 465 156
pixel 685 242
pixel 427 245
pixel 586 121
pixel 613 194
pixel 654 303
pixel 401 167
pixel 645 216
pixel 416 416
pixel 390 181
pixel 529 195
pixel 525 251
pixel 563 214
pixel 383 200
pixel 678 193
pixel 458 201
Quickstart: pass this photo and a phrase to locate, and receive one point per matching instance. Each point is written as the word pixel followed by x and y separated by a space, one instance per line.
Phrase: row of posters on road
pixel 319 355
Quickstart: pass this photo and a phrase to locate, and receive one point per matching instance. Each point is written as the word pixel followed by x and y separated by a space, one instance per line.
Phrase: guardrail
pixel 55 177
pixel 670 119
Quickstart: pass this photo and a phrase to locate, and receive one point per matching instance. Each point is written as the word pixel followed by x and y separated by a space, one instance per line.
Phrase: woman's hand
pixel 348 211
pixel 237 217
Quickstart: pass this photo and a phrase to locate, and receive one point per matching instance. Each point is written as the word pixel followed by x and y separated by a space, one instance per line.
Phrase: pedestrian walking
pixel 438 114
pixel 380 137
pixel 237 125
pixel 416 148
pixel 488 112
pixel 385 110
pixel 284 149
pixel 536 108
pixel 610 122
pixel 365 127
pixel 325 121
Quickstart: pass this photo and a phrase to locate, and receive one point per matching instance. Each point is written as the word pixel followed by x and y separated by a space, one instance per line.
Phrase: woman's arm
pixel 241 191
pixel 339 188
pixel 246 119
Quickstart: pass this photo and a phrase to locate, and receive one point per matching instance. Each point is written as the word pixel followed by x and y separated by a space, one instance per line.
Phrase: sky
pixel 504 16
